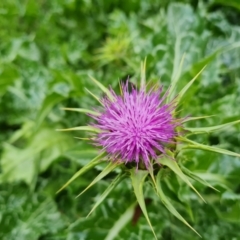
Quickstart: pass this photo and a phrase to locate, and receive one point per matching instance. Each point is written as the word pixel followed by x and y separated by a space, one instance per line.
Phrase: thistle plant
pixel 139 132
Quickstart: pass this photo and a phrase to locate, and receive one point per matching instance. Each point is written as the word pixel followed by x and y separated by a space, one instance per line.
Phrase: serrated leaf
pixel 111 186
pixel 110 167
pixel 197 178
pixel 80 128
pixel 43 148
pixel 138 177
pixel 210 129
pixel 168 204
pixel 103 88
pixel 195 145
pixel 172 164
pixel 82 110
pixel 87 167
pixel 121 222
pixel 37 213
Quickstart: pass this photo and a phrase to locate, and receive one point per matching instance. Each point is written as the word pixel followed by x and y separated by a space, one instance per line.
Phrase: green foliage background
pixel 48 48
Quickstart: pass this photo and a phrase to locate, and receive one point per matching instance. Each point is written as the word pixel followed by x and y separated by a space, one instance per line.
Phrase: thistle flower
pixel 136 125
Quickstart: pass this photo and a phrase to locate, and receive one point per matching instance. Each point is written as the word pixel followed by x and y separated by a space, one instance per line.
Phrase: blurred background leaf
pixel 47 51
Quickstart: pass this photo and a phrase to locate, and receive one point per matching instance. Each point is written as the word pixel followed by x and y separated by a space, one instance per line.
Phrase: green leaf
pixel 232 214
pixel 80 128
pixel 121 223
pixel 103 88
pixel 210 129
pixel 110 167
pixel 111 186
pixel 8 75
pixel 179 17
pixel 27 129
pixel 187 86
pixel 138 177
pixel 82 110
pixel 49 102
pixel 143 74
pixel 196 118
pixel 195 145
pixel 81 153
pixel 43 148
pixel 230 3
pixel 172 164
pixel 84 169
pixel 215 178
pixel 97 98
pixel 206 60
pixel 196 177
pixel 176 74
pixel 32 214
pixel 229 195
pixel 166 202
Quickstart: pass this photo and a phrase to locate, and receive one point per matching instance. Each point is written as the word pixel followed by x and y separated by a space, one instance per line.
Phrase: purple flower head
pixel 136 126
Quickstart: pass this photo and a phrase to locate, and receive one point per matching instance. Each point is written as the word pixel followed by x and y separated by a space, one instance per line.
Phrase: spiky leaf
pixel 187 86
pixel 210 129
pixel 166 202
pixel 96 97
pixel 80 128
pixel 143 74
pixel 111 186
pixel 196 118
pixel 84 169
pixel 110 167
pixel 82 110
pixel 172 164
pixel 121 222
pixel 103 88
pixel 195 145
pixel 196 177
pixel 138 177
pixel 176 74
